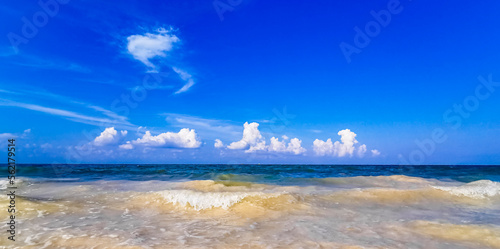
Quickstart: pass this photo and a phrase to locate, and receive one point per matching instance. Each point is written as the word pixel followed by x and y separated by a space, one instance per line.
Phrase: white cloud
pixel 147 46
pixel 257 147
pixel 70 115
pixel 218 143
pixel 126 146
pixel 112 118
pixel 185 138
pixel 277 145
pixel 295 146
pixel 362 150
pixel 348 139
pixel 253 141
pixel 108 136
pixel 323 148
pixel 185 77
pixel 5 136
pixel 375 153
pixel 345 147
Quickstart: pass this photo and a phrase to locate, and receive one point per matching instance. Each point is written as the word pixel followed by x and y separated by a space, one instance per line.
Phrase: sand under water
pixel 217 209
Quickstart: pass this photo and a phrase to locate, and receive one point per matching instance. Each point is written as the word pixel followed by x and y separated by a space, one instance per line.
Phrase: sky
pixel 250 81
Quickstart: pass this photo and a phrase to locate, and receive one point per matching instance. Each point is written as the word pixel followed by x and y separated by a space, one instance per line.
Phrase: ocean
pixel 253 206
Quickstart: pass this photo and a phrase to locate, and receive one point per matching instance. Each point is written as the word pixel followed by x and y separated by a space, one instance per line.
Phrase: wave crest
pixel 477 190
pixel 208 200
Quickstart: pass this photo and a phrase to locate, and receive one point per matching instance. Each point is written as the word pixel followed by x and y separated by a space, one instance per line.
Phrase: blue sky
pixel 368 82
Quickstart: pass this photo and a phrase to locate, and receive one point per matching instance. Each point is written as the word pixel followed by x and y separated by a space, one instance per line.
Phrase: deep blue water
pixel 255 173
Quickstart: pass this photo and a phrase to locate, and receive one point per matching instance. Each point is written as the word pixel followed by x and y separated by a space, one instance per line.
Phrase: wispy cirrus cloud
pixel 33 61
pixel 70 115
pixel 186 78
pixel 90 114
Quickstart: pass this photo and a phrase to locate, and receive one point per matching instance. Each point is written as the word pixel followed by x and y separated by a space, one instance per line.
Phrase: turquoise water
pixel 262 173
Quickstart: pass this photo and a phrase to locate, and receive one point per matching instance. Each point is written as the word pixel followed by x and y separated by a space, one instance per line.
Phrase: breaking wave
pixel 478 189
pixel 208 200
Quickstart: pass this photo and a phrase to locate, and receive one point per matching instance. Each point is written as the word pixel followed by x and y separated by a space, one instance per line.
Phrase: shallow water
pixel 255 206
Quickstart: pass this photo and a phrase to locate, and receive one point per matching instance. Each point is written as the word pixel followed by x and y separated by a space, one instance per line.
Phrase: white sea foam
pixel 207 200
pixel 18 181
pixel 5 183
pixel 478 189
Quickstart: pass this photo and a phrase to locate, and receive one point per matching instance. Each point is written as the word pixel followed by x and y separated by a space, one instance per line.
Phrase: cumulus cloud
pixel 185 138
pixel 4 136
pixel 277 145
pixel 348 139
pixel 294 146
pixel 253 141
pixel 345 147
pixel 251 138
pixel 375 153
pixel 146 47
pixel 322 148
pixel 218 143
pixel 362 150
pixel 126 146
pixel 186 77
pixel 109 136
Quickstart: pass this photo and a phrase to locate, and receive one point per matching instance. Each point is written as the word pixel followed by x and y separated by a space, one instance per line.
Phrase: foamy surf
pixel 266 210
pixel 478 189
pixel 479 193
pixel 207 200
pixel 3 184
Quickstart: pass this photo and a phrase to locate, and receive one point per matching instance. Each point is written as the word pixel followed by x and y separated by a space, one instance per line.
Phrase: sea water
pixel 254 206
